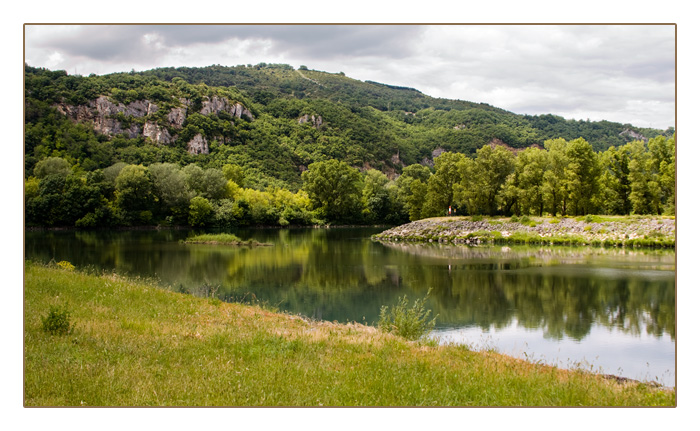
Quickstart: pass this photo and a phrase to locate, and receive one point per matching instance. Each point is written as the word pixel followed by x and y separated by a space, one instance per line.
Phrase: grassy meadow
pixel 130 343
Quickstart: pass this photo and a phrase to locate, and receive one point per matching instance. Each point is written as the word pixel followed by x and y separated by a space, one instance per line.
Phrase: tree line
pixel 565 178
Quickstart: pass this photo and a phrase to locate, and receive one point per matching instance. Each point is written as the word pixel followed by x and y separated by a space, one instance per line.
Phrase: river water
pixel 606 310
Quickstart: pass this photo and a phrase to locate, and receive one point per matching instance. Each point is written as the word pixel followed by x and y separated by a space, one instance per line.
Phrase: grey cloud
pixel 120 42
pixel 524 69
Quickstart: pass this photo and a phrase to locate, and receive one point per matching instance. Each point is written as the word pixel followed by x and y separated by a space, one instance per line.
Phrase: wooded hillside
pixel 270 129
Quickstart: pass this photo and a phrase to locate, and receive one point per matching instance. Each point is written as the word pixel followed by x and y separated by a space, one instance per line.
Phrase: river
pixel 605 310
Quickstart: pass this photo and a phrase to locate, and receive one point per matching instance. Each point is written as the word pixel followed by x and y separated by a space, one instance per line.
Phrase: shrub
pixel 57 322
pixel 408 322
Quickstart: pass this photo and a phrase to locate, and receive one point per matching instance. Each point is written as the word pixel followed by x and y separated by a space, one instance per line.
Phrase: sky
pixel 620 73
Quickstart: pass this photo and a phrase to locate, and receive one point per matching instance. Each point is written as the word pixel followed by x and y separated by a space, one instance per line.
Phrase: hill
pixel 271 145
pixel 273 120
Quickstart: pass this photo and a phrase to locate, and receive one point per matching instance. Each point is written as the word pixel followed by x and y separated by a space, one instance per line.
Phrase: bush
pixel 57 322
pixel 410 323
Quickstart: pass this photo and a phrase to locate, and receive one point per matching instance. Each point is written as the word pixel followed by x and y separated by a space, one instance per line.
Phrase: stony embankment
pixel 630 231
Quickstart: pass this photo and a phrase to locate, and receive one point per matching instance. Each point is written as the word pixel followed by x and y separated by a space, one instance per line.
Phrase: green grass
pixel 133 344
pixel 221 238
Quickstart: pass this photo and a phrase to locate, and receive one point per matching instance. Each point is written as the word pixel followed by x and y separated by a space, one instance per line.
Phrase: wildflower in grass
pixel 64 264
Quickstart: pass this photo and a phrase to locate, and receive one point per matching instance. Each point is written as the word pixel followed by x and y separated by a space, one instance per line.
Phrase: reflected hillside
pixel 339 274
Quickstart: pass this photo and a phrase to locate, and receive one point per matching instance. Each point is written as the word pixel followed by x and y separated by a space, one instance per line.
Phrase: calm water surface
pixel 608 310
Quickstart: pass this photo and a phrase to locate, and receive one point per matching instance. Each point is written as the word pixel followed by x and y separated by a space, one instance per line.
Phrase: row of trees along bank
pixel 564 178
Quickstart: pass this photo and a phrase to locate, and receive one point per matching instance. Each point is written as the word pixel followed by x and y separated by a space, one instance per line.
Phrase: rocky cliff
pixel 143 118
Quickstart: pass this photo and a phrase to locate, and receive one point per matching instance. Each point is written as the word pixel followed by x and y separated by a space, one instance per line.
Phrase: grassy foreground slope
pixel 133 344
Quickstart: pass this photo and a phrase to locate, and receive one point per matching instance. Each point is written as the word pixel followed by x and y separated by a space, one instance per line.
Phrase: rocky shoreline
pixel 614 231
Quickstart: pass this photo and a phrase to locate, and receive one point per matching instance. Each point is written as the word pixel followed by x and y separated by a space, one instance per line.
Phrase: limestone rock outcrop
pixel 198 145
pixel 315 120
pixel 218 104
pixel 139 118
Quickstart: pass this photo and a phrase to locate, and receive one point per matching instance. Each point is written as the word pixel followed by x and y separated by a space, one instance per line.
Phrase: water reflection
pixel 339 274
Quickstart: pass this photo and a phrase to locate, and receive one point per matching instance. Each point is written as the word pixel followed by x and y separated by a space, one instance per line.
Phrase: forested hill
pixel 271 145
pixel 272 120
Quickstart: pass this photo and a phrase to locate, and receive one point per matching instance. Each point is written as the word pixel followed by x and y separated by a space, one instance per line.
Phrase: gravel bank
pixel 591 230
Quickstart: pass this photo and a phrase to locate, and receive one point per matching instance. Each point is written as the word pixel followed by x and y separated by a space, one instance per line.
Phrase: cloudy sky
pixel 621 73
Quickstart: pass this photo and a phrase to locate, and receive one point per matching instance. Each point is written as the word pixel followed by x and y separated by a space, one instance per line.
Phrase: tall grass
pixel 133 344
pixel 411 322
pixel 221 238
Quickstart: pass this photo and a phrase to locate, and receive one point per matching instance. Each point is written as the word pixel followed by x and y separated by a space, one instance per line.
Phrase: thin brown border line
pixel 24 48
pixel 361 23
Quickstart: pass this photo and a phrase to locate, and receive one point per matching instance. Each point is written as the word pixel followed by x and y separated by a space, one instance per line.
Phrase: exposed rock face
pixel 177 116
pixel 198 145
pixel 437 152
pixel 217 104
pixel 634 135
pixel 430 162
pixel 316 121
pixel 103 114
pixel 156 134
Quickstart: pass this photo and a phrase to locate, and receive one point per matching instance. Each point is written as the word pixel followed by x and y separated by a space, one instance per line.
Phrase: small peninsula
pixel 612 231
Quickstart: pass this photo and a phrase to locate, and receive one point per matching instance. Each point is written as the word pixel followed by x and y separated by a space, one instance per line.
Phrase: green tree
pixel 416 199
pixel 411 203
pixel 201 211
pixel 234 173
pixel 555 180
pixel 440 195
pixel 531 165
pixel 644 188
pixel 335 189
pixel 483 179
pixel 133 195
pixel 615 180
pixel 52 166
pixel 582 175
pixel 213 184
pixel 663 170
pixel 375 196
pixel 170 189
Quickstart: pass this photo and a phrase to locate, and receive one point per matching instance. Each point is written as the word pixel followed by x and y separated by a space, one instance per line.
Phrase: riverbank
pixel 134 344
pixel 612 231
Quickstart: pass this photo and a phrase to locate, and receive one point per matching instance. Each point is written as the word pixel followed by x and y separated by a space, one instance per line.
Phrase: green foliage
pixel 201 211
pixel 410 322
pixel 335 189
pixel 440 193
pixel 52 166
pixel 57 321
pixel 71 169
pixel 133 192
